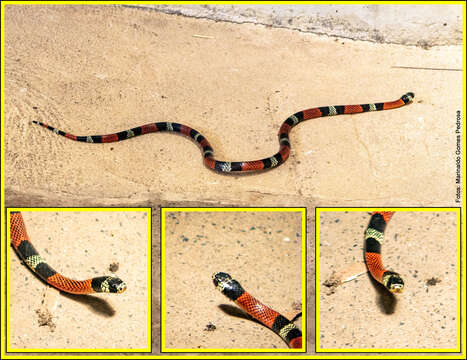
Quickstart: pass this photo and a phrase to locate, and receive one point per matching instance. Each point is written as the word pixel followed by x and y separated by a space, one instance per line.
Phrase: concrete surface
pixel 261 250
pixel 421 25
pixel 101 69
pixel 361 314
pixel 236 88
pixel 81 245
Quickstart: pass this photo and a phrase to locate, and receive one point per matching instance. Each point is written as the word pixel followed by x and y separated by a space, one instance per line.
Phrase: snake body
pixel 268 317
pixel 228 166
pixel 23 246
pixel 373 239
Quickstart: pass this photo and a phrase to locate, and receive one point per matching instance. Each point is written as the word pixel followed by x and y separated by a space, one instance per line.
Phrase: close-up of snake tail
pixel 26 251
pixel 238 166
pixel 373 240
pixel 232 289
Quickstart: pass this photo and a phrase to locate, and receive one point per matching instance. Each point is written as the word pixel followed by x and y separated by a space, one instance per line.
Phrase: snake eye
pixel 121 287
pixel 115 285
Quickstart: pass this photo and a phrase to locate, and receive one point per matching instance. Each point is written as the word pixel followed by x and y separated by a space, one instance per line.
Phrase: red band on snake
pixel 231 288
pixel 373 240
pixel 23 246
pixel 236 166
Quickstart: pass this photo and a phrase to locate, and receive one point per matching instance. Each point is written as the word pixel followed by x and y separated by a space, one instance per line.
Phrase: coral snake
pixel 23 246
pixel 268 317
pixel 373 240
pixel 237 166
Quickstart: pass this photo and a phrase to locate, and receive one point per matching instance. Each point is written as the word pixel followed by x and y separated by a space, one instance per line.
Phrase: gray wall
pixel 422 25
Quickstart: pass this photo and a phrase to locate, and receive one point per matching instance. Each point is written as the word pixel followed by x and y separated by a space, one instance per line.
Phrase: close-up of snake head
pixel 407 98
pixel 120 287
pixel 220 278
pixel 108 284
pixel 226 285
pixel 393 282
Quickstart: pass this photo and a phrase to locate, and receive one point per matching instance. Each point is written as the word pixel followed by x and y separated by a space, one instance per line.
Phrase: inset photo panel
pixel 78 280
pixel 233 280
pixel 388 280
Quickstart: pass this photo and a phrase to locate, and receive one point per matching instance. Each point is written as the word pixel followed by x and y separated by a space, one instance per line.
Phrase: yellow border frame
pixel 318 212
pixel 148 212
pixel 300 210
pixel 2 181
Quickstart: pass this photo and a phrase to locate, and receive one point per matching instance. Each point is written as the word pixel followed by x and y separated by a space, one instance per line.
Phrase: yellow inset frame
pixel 302 211
pixel 148 283
pixel 319 211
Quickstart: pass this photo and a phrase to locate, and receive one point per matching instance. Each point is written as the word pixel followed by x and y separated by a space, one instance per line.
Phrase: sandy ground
pixel 102 69
pixel 262 250
pixel 361 314
pixel 44 318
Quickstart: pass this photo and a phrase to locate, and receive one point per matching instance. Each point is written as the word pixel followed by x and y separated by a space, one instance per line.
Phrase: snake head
pixel 108 284
pixel 116 285
pixel 220 278
pixel 406 98
pixel 393 282
pixel 119 286
pixel 227 286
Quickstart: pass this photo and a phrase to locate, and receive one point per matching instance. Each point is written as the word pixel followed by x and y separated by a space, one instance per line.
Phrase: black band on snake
pixel 231 288
pixel 236 166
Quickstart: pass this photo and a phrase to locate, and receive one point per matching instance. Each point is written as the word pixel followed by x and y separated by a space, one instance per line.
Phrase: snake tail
pixel 373 240
pixel 23 246
pixel 231 288
pixel 236 166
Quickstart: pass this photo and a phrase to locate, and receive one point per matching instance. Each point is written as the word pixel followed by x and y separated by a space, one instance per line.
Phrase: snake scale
pixel 231 288
pixel 238 166
pixel 20 241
